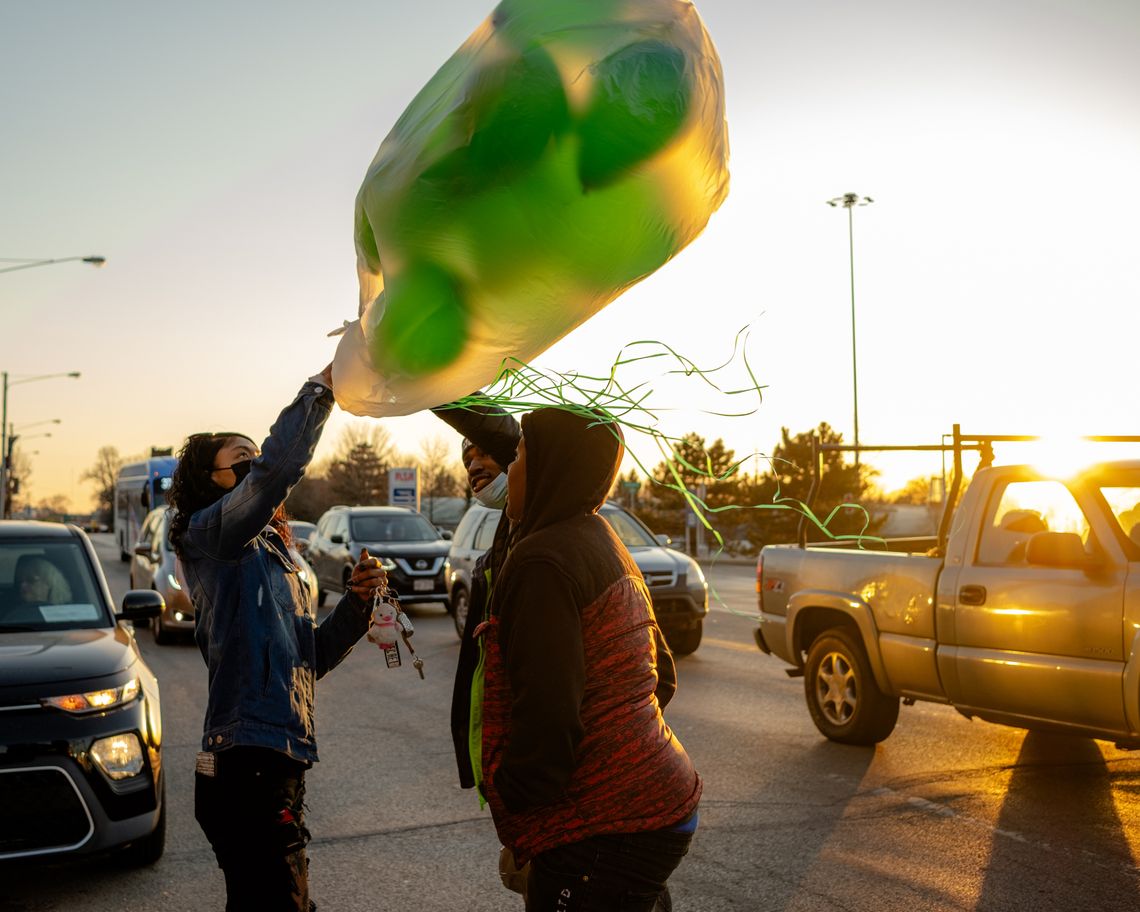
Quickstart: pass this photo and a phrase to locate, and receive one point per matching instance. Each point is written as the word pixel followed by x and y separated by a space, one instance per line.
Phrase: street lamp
pixel 849 201
pixel 96 261
pixel 5 431
pixel 24 427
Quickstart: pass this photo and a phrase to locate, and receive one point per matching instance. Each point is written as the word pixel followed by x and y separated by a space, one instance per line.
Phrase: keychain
pixel 403 622
pixel 389 624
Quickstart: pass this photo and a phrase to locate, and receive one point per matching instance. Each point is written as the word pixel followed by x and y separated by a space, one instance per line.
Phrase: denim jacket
pixel 255 623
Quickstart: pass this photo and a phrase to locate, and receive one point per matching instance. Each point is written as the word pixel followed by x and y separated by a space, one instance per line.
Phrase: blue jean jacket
pixel 255 624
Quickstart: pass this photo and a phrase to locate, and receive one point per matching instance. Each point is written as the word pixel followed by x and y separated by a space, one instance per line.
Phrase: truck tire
pixel 845 703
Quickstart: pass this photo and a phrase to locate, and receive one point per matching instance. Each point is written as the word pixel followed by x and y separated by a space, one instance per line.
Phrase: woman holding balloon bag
pixel 256 628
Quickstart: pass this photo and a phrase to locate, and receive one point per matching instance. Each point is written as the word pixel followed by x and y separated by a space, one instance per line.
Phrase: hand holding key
pixel 368 577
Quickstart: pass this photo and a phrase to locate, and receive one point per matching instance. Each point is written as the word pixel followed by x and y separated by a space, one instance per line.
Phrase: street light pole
pixel 849 201
pixel 96 261
pixel 4 430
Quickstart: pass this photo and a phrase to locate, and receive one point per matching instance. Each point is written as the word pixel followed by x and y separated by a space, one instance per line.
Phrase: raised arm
pixel 226 526
pixel 490 427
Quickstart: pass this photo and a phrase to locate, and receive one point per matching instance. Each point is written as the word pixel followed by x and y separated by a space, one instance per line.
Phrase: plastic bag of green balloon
pixel 566 151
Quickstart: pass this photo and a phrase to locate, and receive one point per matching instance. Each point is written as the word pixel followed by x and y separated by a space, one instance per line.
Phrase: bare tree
pixel 441 475
pixel 54 509
pixel 103 474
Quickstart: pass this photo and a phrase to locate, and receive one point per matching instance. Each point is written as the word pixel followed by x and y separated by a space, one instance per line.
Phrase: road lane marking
pixel 729 644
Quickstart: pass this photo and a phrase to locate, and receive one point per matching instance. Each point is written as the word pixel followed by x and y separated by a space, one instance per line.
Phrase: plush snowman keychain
pixel 389 625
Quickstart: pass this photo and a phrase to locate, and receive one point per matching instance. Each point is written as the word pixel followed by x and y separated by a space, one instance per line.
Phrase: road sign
pixel 404 487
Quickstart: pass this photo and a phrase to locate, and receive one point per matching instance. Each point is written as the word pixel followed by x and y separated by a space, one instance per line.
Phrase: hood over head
pixel 571 463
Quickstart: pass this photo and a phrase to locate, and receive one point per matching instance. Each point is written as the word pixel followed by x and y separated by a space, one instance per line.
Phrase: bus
pixel 139 488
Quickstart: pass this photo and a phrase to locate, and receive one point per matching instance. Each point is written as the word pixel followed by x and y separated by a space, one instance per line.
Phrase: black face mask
pixel 240 470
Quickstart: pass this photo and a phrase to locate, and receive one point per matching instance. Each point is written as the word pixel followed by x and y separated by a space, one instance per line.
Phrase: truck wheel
pixel 685 642
pixel 845 703
pixel 460 606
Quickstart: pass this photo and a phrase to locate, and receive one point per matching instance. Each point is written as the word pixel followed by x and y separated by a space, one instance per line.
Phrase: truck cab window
pixel 1023 509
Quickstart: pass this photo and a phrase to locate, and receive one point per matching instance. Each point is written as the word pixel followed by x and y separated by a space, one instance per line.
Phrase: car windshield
pixel 632 533
pixel 399 528
pixel 47 585
pixel 302 530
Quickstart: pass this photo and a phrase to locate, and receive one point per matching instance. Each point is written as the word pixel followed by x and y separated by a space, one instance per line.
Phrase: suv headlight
pixel 95 700
pixel 387 564
pixel 697 586
pixel 119 756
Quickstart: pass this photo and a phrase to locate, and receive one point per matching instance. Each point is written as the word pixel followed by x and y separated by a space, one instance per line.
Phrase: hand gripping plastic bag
pixel 567 150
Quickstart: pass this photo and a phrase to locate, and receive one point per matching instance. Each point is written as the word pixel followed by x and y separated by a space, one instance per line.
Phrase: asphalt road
pixel 946 814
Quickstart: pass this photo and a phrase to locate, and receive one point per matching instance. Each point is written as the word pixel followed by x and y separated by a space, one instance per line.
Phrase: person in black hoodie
pixel 585 780
pixel 490 437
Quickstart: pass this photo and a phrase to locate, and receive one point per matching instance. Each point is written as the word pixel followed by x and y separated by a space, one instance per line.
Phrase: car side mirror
pixel 337 539
pixel 1058 549
pixel 446 534
pixel 664 540
pixel 141 605
pixel 142 549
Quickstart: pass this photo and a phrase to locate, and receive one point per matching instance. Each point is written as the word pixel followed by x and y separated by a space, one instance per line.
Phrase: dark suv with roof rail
pixel 410 548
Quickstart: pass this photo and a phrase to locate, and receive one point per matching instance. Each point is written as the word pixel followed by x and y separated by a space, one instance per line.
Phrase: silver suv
pixel 677 585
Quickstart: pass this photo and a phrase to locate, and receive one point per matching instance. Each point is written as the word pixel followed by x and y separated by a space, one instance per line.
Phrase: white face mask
pixel 494 493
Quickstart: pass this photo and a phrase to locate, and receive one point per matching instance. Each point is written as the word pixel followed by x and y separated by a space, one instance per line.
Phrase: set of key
pixel 405 628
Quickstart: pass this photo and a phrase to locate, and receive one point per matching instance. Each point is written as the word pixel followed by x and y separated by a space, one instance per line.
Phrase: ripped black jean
pixel 251 812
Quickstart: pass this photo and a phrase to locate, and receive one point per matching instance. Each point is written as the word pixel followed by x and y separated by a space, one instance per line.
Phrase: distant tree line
pixel 357 473
pixel 749 510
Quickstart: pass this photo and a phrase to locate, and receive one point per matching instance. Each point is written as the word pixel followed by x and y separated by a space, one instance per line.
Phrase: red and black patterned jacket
pixel 576 669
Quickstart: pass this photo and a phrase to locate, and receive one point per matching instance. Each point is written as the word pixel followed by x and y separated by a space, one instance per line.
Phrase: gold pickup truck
pixel 1025 611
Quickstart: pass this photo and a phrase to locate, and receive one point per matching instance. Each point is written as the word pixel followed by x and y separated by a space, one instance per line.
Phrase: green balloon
pixel 640 99
pixel 366 239
pixel 546 228
pixel 424 327
pixel 512 112
pixel 515 19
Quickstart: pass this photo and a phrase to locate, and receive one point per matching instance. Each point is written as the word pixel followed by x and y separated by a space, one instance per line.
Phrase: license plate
pixel 423 585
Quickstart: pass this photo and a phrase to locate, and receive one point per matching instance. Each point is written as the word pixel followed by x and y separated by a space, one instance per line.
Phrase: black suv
pixel 80 726
pixel 676 584
pixel 410 548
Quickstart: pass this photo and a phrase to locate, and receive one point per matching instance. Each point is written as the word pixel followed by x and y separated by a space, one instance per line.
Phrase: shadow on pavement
pixel 1058 814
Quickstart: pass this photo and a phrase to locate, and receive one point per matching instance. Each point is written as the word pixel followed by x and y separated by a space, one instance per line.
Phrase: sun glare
pixel 1060 456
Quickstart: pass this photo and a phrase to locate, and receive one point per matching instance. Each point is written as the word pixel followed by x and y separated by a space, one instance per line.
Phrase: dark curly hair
pixel 193 488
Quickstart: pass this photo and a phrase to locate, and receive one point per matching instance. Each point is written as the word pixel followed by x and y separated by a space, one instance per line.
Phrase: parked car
pixel 80 723
pixel 410 548
pixel 302 532
pixel 306 573
pixel 153 567
pixel 676 584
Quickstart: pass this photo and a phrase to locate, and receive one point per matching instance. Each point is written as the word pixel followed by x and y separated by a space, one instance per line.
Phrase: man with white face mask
pixel 491 437
pixel 487 478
